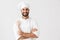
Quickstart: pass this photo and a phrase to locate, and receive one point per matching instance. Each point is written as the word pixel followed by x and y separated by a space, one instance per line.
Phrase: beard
pixel 25 14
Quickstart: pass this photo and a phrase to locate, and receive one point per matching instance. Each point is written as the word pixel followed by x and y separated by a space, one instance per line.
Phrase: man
pixel 25 28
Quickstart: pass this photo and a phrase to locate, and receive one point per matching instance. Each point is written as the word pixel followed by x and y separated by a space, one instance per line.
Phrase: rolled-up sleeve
pixel 35 26
pixel 15 29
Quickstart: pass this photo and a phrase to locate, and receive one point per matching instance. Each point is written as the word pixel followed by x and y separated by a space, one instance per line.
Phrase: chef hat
pixel 22 5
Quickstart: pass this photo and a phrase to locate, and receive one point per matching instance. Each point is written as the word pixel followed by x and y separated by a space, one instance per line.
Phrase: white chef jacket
pixel 26 25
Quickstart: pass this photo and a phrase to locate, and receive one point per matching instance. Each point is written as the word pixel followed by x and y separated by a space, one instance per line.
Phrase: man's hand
pixel 33 30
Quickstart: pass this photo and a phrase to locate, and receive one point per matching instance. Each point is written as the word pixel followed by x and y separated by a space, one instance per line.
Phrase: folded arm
pixel 28 35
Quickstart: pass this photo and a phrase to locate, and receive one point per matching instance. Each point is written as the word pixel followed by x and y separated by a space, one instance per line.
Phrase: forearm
pixel 29 35
pixel 26 35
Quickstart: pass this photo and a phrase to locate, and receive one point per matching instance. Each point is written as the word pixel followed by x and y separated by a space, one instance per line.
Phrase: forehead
pixel 25 8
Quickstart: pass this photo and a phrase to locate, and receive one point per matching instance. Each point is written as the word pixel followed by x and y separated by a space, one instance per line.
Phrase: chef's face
pixel 25 11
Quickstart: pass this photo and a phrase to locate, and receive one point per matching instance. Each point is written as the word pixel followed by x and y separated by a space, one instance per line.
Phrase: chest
pixel 26 26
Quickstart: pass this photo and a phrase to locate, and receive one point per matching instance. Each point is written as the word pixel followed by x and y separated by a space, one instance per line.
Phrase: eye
pixel 23 9
pixel 27 9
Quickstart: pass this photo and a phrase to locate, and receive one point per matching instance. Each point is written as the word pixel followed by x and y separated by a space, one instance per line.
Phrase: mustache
pixel 25 12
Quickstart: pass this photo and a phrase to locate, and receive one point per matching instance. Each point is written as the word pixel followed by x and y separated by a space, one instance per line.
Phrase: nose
pixel 25 10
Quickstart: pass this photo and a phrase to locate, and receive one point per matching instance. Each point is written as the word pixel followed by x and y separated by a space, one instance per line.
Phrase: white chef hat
pixel 22 5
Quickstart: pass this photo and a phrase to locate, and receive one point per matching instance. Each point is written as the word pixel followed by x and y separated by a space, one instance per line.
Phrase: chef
pixel 25 28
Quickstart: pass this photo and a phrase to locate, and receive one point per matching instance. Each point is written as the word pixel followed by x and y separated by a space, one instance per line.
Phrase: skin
pixel 25 15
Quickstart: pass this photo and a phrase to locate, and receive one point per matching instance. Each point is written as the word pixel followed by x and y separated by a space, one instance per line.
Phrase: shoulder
pixel 16 22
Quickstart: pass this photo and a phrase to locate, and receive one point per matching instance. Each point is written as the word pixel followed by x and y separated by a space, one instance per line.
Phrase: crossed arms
pixel 27 35
pixel 24 35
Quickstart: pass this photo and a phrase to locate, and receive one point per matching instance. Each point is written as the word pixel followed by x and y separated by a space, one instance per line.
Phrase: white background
pixel 46 12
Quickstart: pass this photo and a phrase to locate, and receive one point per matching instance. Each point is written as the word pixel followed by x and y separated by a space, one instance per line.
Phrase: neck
pixel 25 17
